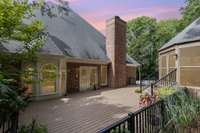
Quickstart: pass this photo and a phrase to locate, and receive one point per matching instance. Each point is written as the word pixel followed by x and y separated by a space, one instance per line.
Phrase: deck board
pixel 83 112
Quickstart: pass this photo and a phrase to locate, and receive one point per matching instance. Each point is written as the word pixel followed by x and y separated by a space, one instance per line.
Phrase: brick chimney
pixel 116 51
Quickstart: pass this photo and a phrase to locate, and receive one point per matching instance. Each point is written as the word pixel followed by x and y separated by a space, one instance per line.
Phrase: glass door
pixel 88 78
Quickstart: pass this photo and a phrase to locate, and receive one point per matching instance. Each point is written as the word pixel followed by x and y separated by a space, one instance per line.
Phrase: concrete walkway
pixel 83 112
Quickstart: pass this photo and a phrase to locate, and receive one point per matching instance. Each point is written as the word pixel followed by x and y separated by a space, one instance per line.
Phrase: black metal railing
pixel 121 126
pixel 9 125
pixel 149 119
pixel 166 81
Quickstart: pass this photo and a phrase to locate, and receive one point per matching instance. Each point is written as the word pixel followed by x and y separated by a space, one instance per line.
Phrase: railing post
pixel 151 89
pixel 131 123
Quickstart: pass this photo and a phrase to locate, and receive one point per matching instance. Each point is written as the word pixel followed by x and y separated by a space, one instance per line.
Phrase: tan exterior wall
pixel 131 75
pixel 190 64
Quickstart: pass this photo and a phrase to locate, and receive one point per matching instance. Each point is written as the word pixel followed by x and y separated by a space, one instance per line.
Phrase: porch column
pixel 37 78
pixel 178 66
pixel 99 76
pixel 59 80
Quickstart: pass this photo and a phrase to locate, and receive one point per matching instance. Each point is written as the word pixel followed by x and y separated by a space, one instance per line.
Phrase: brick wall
pixel 116 51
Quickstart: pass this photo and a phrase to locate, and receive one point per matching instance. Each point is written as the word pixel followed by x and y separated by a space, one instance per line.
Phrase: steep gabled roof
pixel 189 34
pixel 68 35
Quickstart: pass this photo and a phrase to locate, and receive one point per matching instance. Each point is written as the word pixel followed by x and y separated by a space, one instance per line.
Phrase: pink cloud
pixel 98 18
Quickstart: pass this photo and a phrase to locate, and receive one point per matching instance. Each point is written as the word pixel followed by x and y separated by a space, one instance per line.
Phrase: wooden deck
pixel 83 112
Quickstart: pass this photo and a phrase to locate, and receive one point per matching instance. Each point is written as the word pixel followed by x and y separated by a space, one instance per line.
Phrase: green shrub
pixel 11 101
pixel 165 91
pixel 183 111
pixel 138 90
pixel 33 127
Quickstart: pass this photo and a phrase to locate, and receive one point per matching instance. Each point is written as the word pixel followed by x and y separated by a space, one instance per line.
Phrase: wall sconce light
pixel 176 56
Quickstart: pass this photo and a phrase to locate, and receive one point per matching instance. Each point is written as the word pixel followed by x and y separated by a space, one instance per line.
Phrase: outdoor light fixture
pixel 176 56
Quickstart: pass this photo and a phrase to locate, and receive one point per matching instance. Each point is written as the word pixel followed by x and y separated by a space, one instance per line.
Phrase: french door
pixel 88 78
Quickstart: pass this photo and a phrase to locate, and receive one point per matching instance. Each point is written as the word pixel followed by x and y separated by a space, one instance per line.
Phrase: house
pixel 77 57
pixel 183 53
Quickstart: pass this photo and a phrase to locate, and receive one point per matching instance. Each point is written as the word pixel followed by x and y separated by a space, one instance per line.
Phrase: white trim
pixel 59 77
pixel 78 60
pixel 192 44
pixel 168 50
pixel 178 65
pixel 189 66
pixel 106 82
pixel 192 87
pixel 37 86
pixel 65 93
pixel 167 63
pixel 132 65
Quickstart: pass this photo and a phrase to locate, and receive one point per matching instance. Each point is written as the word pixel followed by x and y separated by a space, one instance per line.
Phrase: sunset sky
pixel 96 12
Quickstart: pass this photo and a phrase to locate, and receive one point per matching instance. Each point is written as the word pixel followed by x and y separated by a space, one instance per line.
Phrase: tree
pixel 141 42
pixel 145 36
pixel 12 28
pixel 190 11
pixel 167 29
pixel 31 36
pixel 12 14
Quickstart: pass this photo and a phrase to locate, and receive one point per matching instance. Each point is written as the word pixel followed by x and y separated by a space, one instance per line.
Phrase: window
pixel 28 78
pixel 48 79
pixel 104 77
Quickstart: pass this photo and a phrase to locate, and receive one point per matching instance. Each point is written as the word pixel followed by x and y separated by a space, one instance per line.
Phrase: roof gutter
pixel 91 61
pixel 175 44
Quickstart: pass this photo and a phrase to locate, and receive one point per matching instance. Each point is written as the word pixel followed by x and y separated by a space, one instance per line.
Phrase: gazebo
pixel 183 54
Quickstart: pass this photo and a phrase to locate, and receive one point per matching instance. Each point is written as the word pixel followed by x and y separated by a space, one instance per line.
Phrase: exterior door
pixel 88 78
pixel 72 78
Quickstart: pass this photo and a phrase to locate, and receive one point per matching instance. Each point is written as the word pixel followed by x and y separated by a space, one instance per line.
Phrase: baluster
pixel 149 121
pixel 151 117
pixel 124 127
pixel 131 122
pixel 143 122
pixel 136 127
pixel 140 119
pixel 146 121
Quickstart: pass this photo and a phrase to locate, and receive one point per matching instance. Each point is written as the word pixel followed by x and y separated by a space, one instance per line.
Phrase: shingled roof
pixel 68 35
pixel 189 34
